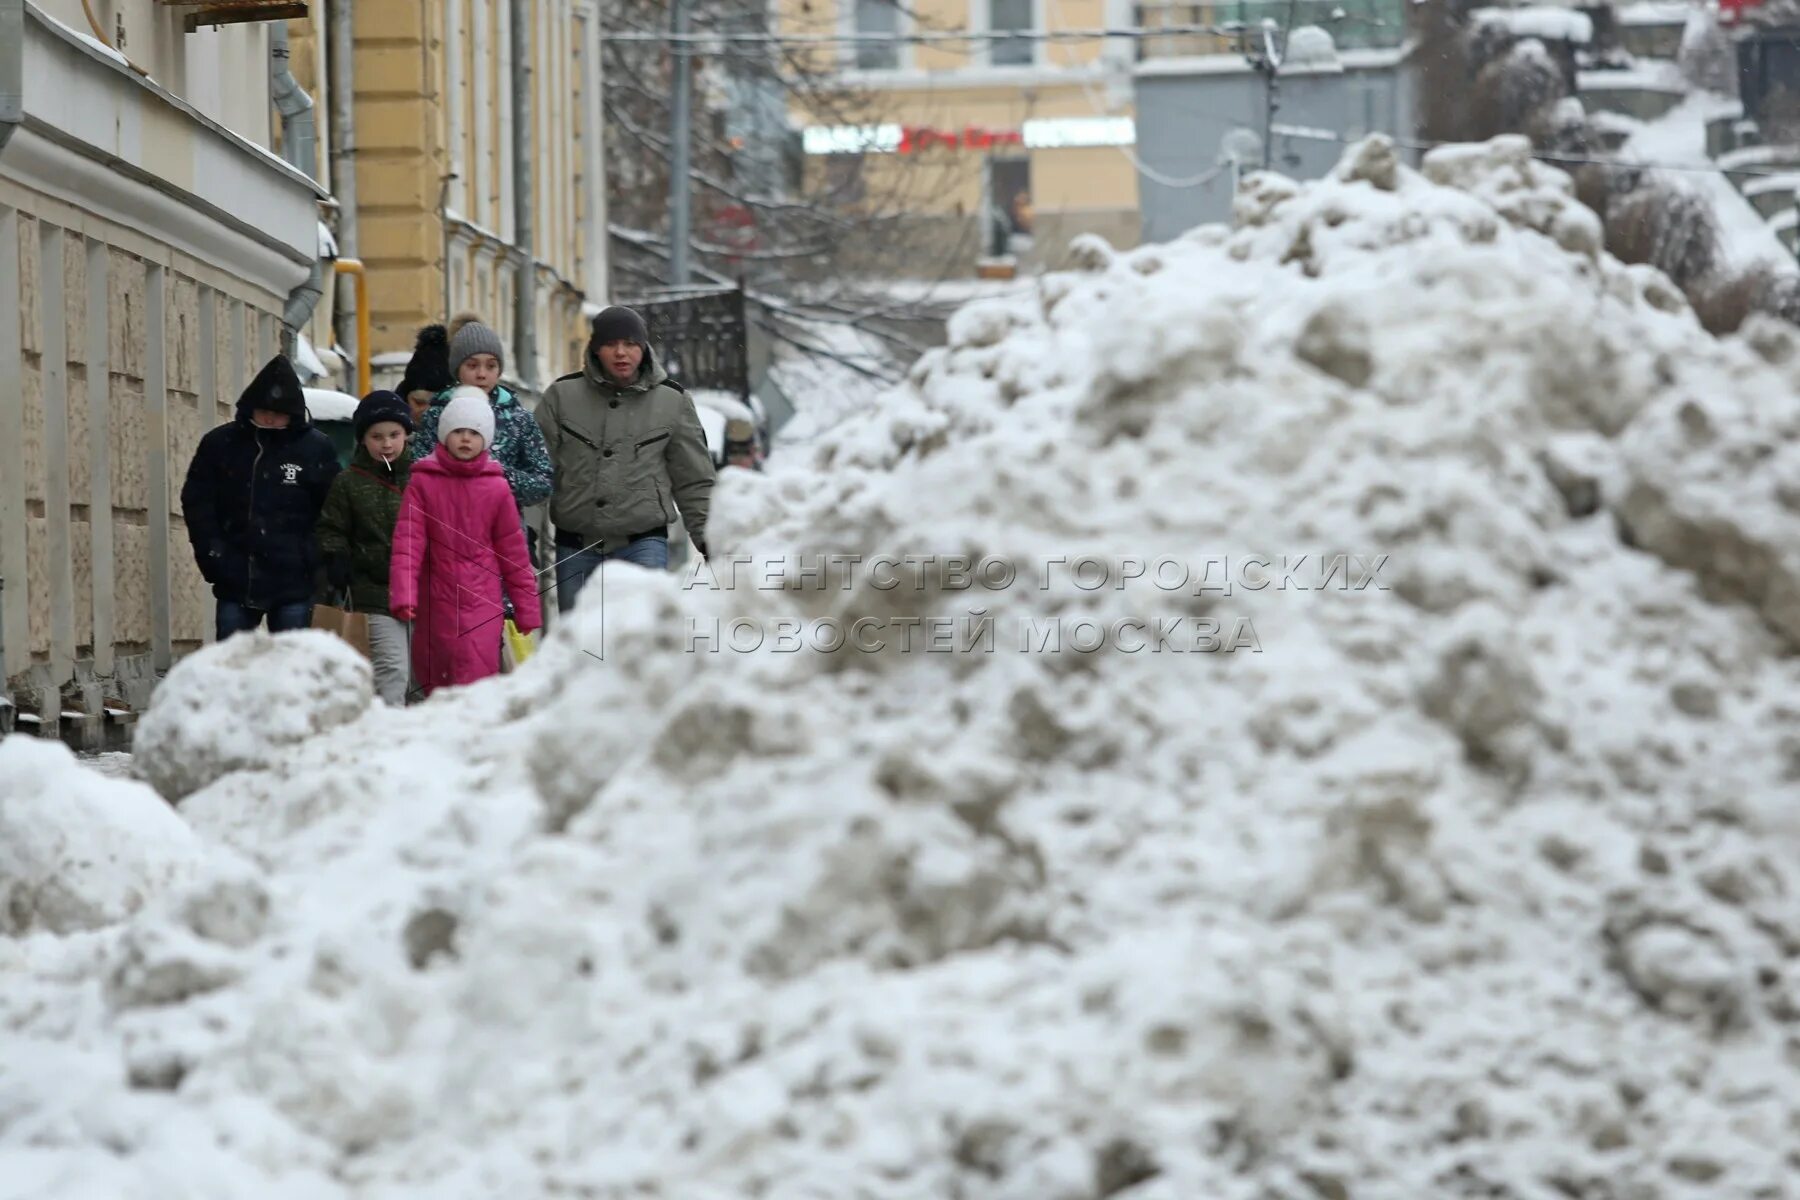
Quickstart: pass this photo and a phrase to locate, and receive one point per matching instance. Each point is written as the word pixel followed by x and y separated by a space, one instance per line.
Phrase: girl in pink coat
pixel 457 539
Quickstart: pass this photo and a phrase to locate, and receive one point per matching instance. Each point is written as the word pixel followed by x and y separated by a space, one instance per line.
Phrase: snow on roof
pixel 1782 181
pixel 306 359
pixel 1654 12
pixel 713 422
pixel 326 405
pixel 1648 77
pixel 1541 21
pixel 1759 156
pixel 724 402
pixel 1474 865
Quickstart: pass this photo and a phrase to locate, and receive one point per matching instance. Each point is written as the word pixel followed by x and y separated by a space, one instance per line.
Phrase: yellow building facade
pixel 437 195
pixel 1008 146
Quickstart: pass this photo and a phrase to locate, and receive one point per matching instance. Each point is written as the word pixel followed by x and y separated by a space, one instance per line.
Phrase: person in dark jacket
pixel 252 496
pixel 427 371
pixel 356 533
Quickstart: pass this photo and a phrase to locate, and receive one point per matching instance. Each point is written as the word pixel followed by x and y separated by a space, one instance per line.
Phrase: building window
pixel 1009 210
pixel 880 18
pixel 1011 16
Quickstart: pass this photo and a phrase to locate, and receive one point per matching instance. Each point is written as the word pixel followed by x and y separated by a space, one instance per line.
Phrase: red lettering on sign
pixel 917 138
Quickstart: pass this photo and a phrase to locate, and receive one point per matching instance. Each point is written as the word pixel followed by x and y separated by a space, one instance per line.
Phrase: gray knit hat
pixel 472 339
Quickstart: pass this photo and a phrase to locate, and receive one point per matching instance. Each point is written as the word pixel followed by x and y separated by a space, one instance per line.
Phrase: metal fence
pixel 700 336
pixel 1353 24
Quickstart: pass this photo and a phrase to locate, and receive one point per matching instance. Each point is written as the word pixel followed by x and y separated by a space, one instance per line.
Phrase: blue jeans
pixel 233 617
pixel 573 567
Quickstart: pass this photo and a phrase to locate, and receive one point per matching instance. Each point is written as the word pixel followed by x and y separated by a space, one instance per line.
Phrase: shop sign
pixel 1042 133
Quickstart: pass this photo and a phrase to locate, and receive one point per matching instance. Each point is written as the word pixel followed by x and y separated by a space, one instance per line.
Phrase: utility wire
pixel 1229 29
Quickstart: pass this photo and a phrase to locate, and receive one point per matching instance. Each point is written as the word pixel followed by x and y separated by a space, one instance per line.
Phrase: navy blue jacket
pixel 251 500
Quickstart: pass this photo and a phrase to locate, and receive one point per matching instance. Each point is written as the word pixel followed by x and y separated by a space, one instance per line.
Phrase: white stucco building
pixel 149 241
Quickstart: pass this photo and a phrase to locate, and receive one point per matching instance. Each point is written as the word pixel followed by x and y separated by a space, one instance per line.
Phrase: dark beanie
pixel 380 406
pixel 276 388
pixel 620 324
pixel 429 368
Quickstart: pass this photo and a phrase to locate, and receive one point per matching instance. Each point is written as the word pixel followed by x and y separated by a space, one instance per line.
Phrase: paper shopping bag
pixel 353 627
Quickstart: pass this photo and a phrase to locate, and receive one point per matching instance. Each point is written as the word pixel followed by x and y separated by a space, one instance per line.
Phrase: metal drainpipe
pixel 12 111
pixel 300 147
pixel 524 196
pixel 343 157
pixel 12 68
pixel 680 140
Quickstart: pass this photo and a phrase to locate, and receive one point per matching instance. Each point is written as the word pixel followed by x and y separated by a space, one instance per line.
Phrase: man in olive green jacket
pixel 628 452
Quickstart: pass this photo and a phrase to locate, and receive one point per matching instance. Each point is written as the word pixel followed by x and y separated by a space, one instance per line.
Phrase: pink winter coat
pixel 457 539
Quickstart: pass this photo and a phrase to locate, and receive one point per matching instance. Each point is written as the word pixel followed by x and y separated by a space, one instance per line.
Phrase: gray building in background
pixel 1201 121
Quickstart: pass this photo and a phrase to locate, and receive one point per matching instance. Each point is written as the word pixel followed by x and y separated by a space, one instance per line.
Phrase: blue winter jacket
pixel 518 444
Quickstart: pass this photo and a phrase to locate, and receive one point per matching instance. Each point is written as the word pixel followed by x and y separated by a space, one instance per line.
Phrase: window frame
pixel 982 11
pixel 847 26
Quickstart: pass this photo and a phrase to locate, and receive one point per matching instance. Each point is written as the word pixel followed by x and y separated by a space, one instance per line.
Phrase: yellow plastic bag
pixel 519 645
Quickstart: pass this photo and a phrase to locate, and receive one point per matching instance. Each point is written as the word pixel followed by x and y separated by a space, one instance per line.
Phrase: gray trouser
pixel 390 650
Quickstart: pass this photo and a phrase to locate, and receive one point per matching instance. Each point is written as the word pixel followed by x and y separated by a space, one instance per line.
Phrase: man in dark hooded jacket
pixel 252 496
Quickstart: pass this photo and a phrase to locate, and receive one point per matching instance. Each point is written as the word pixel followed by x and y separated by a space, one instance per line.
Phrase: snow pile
pixel 246 702
pixel 1476 881
pixel 77 851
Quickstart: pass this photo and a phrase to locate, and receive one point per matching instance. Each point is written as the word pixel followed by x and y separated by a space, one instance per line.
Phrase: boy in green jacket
pixel 356 533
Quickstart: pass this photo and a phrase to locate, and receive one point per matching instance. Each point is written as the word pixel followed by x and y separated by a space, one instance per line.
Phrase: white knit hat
pixel 468 409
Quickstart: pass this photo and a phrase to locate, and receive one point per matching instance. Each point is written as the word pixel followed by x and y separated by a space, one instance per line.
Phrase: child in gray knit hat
pixel 476 355
pixel 476 358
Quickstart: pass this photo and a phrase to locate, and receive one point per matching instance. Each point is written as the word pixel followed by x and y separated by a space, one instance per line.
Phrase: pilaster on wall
pixel 15 611
pixel 401 161
pixel 123 358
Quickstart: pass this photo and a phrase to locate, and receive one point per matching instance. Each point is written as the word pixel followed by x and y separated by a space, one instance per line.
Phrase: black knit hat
pixel 276 388
pixel 380 406
pixel 429 368
pixel 620 324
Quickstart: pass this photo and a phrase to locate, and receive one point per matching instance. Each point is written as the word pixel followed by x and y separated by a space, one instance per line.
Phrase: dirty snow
pixel 1477 882
pixel 79 851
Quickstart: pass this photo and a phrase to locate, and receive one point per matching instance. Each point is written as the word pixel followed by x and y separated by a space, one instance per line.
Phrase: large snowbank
pixel 76 850
pixel 1479 882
